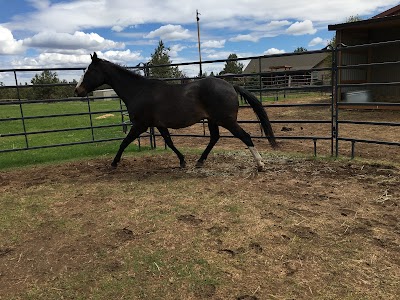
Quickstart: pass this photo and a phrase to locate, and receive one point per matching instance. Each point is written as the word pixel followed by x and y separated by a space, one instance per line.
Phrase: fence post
pixel 260 80
pixel 21 110
pixel 90 117
pixel 335 107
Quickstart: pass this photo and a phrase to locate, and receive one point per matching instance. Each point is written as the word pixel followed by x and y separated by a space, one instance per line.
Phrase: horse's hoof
pixel 182 165
pixel 199 164
pixel 260 169
pixel 114 165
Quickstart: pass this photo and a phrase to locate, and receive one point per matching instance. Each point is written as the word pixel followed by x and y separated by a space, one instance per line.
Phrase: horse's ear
pixel 94 56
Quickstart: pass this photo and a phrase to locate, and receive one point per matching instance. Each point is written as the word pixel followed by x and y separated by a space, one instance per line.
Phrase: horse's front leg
pixel 130 137
pixel 167 138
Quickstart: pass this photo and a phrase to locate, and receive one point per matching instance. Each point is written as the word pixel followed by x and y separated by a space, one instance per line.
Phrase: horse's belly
pixel 181 123
pixel 180 119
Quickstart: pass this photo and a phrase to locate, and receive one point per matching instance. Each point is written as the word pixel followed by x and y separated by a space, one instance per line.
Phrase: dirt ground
pixel 303 229
pixel 322 132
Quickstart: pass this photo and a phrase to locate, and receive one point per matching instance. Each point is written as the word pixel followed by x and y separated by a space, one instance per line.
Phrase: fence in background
pixel 365 80
pixel 20 124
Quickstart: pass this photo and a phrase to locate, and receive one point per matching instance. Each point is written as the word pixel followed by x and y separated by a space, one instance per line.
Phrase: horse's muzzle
pixel 80 91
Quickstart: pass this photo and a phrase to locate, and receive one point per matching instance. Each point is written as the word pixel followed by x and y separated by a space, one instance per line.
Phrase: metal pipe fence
pixel 21 119
pixel 371 84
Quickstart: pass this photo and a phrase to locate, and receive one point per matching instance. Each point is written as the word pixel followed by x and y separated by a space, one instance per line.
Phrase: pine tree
pixel 46 77
pixel 232 67
pixel 300 49
pixel 161 57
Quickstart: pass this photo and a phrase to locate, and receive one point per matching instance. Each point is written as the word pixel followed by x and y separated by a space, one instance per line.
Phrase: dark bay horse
pixel 155 103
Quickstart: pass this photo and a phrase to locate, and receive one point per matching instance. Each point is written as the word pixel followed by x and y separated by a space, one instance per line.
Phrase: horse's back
pixel 219 98
pixel 208 98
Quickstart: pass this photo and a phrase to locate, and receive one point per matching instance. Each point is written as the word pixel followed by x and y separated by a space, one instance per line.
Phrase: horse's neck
pixel 124 85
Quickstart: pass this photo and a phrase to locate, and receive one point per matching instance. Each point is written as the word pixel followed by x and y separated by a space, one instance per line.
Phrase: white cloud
pixel 8 44
pixel 244 37
pixel 193 70
pixel 170 33
pixel 126 57
pixel 80 15
pixel 300 28
pixel 7 79
pixel 246 21
pixel 271 27
pixel 52 60
pixel 212 55
pixel 175 49
pixel 213 44
pixel 66 41
pixel 60 60
pixel 117 28
pixel 318 41
pixel 262 30
pixel 271 51
pixel 40 4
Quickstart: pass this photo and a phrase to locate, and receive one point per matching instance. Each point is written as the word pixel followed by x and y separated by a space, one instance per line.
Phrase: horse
pixel 156 103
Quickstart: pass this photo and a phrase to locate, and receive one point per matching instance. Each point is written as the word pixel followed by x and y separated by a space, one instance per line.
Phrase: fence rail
pixel 20 118
pixel 369 83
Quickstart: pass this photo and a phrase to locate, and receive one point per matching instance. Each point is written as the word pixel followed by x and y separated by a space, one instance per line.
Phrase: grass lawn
pixel 71 135
pixel 41 118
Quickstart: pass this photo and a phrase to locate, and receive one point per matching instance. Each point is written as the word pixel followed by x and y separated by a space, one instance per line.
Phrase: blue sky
pixel 55 33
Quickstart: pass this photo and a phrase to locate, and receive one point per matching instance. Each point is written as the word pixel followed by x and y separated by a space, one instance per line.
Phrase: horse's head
pixel 91 79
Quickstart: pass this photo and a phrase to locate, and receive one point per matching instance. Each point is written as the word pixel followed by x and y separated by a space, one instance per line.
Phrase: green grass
pixel 272 96
pixel 57 123
pixel 58 154
pixel 89 136
pixel 51 154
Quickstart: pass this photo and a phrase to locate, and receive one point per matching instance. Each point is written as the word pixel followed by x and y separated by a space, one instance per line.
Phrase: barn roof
pixel 303 61
pixel 384 22
pixel 390 12
pixel 389 18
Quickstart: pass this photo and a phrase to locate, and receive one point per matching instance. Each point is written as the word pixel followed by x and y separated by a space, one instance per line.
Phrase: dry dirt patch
pixel 302 229
pixel 285 130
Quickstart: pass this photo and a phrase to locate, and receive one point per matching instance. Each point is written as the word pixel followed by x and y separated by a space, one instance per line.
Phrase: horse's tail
pixel 260 112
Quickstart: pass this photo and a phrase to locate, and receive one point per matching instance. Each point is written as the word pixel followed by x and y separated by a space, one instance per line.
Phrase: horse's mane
pixel 124 70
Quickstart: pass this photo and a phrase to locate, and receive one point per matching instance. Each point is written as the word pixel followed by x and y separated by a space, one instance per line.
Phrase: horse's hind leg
pixel 214 137
pixel 167 137
pixel 239 132
pixel 134 133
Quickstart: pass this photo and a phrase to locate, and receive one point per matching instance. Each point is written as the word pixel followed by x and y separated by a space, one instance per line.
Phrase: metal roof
pixel 388 18
pixel 294 62
pixel 390 12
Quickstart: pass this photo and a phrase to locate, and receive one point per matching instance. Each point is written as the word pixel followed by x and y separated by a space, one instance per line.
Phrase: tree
pixel 7 93
pixel 300 49
pixel 355 18
pixel 46 77
pixel 233 66
pixel 350 19
pixel 332 42
pixel 161 57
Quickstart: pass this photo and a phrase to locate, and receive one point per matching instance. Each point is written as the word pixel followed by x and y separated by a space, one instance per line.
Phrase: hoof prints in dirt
pixel 217 230
pixel 304 232
pixel 247 297
pixel 190 219
pixel 5 251
pixel 125 234
pixel 255 247
pixel 205 291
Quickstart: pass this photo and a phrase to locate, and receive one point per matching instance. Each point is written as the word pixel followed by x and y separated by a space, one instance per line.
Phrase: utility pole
pixel 198 38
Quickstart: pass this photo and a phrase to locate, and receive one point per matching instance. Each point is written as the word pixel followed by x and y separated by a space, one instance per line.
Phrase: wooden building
pixel 291 70
pixel 380 30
